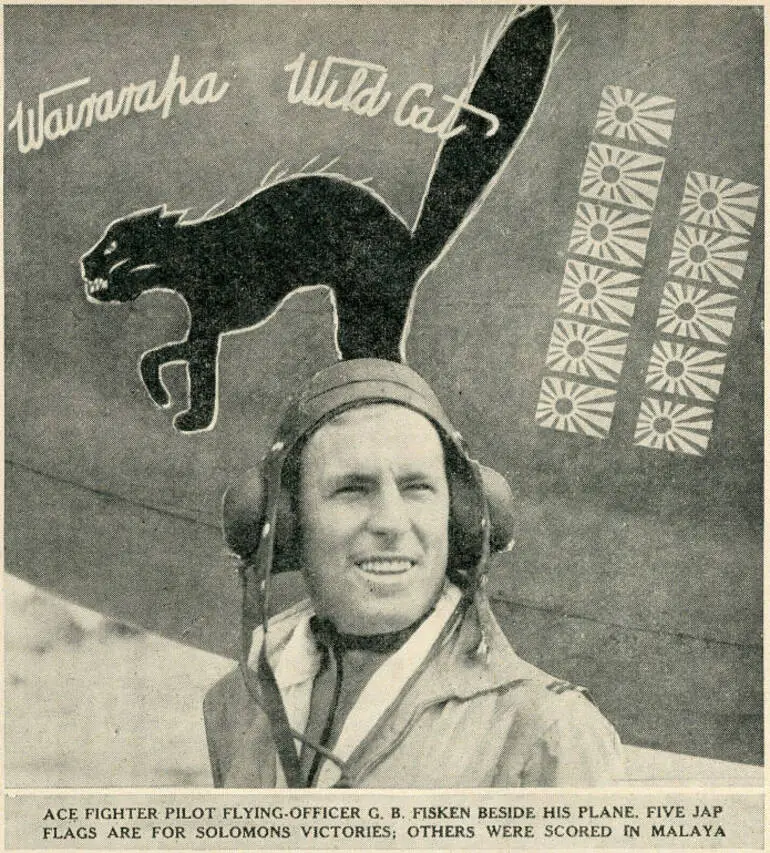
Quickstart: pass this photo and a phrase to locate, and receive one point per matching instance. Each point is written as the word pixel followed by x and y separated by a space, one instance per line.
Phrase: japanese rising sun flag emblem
pixel 708 256
pixel 666 425
pixel 587 350
pixel 690 311
pixel 625 177
pixel 599 293
pixel 635 116
pixel 610 234
pixel 685 370
pixel 575 407
pixel 715 202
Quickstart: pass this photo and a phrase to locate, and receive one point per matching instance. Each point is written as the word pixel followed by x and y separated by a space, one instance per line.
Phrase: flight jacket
pixel 435 715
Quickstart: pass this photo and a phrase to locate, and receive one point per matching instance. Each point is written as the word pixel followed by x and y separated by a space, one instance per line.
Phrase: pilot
pixel 393 672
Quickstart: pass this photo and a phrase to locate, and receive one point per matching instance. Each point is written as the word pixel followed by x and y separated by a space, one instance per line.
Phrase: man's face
pixel 374 510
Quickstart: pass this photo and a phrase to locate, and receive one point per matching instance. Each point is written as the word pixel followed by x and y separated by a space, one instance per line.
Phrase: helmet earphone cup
pixel 243 512
pixel 243 517
pixel 500 504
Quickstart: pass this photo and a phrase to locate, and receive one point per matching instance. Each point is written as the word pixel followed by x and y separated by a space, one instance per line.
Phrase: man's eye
pixel 419 487
pixel 350 489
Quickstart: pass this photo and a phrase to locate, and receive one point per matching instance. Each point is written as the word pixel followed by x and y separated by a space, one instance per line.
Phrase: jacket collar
pixel 294 656
pixel 291 651
pixel 459 673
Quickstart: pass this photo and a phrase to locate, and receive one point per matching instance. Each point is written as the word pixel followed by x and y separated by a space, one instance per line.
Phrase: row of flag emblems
pixel 696 315
pixel 608 246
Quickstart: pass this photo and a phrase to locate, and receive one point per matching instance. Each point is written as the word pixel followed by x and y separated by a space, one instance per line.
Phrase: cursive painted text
pixel 352 85
pixel 48 121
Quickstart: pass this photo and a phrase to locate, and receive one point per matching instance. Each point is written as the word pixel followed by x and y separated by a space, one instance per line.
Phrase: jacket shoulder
pixel 560 738
pixel 557 736
pixel 228 712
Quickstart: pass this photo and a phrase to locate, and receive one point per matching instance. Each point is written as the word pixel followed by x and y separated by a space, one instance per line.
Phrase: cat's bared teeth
pixel 97 285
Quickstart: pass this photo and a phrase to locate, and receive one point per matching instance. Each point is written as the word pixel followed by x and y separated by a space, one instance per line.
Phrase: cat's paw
pixel 150 373
pixel 193 420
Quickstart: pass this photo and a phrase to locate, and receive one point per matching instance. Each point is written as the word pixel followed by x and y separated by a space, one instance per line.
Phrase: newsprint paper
pixel 554 216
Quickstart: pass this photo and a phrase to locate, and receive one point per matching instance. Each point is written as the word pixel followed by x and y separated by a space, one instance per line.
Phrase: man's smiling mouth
pixel 385 565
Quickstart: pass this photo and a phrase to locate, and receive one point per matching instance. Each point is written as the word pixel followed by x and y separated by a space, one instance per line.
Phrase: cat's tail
pixel 504 89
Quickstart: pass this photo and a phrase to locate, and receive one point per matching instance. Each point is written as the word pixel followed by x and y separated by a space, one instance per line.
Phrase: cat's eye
pixel 111 248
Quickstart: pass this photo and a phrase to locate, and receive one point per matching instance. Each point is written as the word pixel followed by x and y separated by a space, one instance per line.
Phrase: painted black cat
pixel 234 269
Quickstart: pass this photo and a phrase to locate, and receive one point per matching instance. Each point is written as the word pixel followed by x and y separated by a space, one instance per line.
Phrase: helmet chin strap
pixel 263 688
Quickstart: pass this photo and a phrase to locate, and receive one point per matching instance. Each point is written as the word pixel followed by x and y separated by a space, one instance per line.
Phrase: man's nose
pixel 389 512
